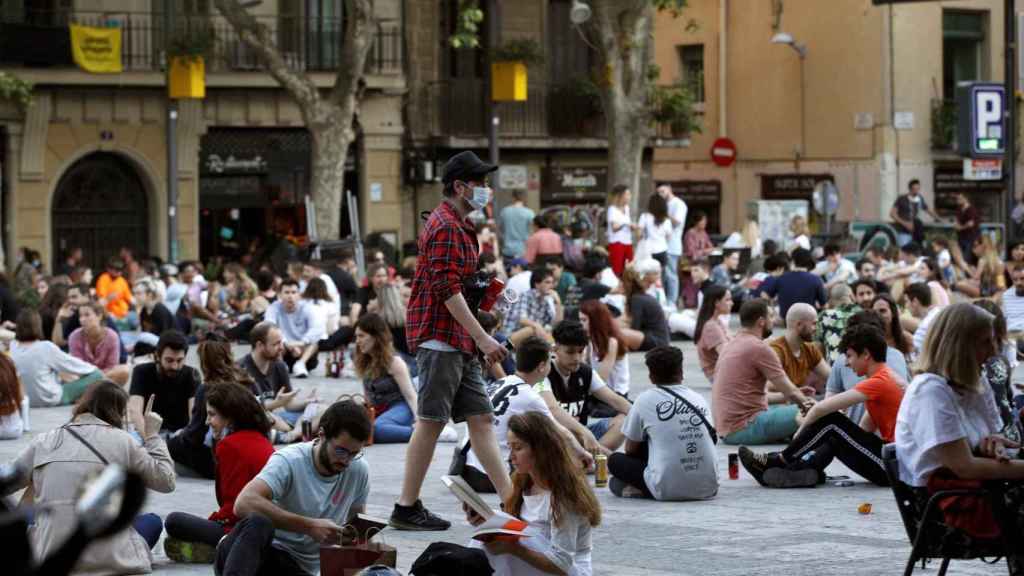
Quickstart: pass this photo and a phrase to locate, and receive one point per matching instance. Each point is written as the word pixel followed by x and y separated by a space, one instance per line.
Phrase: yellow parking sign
pixel 96 50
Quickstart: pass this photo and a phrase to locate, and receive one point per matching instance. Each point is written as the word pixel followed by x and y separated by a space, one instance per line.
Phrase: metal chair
pixel 931 538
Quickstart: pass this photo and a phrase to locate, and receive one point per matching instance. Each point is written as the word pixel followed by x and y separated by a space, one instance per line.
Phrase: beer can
pixel 734 466
pixel 307 430
pixel 600 470
pixel 494 289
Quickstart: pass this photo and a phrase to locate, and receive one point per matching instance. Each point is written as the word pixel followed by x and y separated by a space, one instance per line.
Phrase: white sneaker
pixel 449 434
pixel 300 370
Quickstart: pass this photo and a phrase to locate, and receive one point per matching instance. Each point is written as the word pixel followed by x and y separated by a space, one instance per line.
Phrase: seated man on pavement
pixel 832 321
pixel 573 388
pixel 919 302
pixel 740 400
pixel 864 292
pixel 295 319
pixel 301 499
pixel 843 377
pixel 1013 305
pixel 515 395
pixel 536 310
pixel 826 433
pixel 670 453
pixel 797 350
pixel 270 375
pixel 173 383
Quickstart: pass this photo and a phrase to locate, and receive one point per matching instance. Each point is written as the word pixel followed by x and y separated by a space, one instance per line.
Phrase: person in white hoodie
pixel 50 376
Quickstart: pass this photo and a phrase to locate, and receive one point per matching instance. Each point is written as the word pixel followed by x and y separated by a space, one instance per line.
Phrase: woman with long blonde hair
pixel 801 233
pixel 988 277
pixel 620 228
pixel 947 429
pixel 551 493
pixel 386 381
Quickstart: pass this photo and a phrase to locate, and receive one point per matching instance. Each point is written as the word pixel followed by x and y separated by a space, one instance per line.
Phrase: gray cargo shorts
pixel 451 386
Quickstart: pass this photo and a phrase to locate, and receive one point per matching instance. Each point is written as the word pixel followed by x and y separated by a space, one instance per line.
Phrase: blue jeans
pixel 670 276
pixel 775 425
pixel 394 426
pixel 149 526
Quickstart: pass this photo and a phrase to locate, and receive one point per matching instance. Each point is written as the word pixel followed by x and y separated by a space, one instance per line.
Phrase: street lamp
pixel 579 13
pixel 801 50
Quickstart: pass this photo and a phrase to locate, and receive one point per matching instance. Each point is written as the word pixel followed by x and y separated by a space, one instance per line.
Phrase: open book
pixel 497 525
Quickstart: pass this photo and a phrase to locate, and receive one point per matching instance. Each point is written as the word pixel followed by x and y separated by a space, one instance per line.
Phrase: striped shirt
pixel 1013 308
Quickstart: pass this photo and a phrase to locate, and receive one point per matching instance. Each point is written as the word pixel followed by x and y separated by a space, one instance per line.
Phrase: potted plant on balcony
pixel 187 52
pixel 672 109
pixel 508 68
pixel 15 90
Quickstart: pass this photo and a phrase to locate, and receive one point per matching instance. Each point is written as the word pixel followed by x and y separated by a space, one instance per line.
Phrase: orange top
pixel 883 403
pixel 119 292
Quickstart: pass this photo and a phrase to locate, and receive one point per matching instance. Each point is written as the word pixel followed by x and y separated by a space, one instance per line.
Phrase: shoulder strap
pixel 697 411
pixel 87 444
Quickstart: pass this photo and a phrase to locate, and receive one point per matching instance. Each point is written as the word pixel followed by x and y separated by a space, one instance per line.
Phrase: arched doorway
pixel 100 205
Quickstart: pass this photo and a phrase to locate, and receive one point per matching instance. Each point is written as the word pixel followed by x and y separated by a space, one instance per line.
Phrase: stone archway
pixel 100 204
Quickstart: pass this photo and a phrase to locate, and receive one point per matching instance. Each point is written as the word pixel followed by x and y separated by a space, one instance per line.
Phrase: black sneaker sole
pixel 785 478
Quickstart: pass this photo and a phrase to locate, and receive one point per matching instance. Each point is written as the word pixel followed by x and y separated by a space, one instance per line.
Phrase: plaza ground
pixel 745 530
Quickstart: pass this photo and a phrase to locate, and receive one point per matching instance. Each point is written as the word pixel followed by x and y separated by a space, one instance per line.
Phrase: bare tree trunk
pixel 624 31
pixel 329 117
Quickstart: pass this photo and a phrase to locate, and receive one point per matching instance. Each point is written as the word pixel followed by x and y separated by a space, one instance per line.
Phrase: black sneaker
pixel 416 517
pixel 787 478
pixel 755 463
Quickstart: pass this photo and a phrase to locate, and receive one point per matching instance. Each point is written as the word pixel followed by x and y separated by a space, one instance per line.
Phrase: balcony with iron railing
pixel 42 40
pixel 458 108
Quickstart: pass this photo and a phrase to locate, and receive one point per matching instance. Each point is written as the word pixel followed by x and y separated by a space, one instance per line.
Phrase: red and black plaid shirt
pixel 447 254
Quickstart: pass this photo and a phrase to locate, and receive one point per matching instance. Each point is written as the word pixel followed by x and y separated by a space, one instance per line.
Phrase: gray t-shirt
pixel 682 462
pixel 515 229
pixel 297 487
pixel 843 378
pixel 297 326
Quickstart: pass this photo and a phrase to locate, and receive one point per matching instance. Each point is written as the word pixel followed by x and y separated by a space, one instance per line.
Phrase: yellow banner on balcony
pixel 96 50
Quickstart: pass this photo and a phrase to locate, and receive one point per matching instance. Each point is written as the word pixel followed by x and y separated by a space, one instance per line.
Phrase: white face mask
pixel 481 197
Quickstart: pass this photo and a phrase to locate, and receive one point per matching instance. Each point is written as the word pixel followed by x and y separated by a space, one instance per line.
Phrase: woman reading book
pixel 551 494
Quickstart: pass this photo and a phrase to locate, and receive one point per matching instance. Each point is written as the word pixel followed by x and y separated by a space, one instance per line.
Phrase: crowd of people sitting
pixel 914 348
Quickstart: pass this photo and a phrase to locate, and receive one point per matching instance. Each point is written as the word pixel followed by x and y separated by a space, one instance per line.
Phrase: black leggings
pixel 836 436
pixel 630 469
pixel 189 528
pixel 342 337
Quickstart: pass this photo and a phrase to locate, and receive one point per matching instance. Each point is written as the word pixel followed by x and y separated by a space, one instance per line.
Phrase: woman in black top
pixel 648 327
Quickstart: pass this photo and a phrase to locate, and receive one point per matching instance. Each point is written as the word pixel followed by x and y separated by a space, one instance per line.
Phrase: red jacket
pixel 240 456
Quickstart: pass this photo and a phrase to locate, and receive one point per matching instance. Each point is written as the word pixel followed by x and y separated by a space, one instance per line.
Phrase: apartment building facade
pixel 866 102
pixel 86 164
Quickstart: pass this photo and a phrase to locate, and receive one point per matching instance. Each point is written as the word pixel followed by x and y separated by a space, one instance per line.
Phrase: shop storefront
pixel 574 185
pixel 985 195
pixel 252 189
pixel 796 187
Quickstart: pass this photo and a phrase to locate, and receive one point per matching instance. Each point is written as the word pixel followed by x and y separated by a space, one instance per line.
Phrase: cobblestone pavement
pixel 745 530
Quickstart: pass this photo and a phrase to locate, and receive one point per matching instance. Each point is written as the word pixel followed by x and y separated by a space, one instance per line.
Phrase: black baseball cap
pixel 465 166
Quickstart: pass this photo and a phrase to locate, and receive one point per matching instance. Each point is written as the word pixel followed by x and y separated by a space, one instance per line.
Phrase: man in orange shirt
pixel 113 290
pixel 827 433
pixel 798 352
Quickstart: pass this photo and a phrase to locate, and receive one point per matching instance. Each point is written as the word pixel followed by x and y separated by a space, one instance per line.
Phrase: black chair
pixel 931 538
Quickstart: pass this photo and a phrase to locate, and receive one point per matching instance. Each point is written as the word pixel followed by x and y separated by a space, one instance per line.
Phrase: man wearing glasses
pixel 301 499
pixel 445 336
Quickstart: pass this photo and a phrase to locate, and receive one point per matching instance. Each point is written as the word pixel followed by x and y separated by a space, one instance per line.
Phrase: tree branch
pixel 258 37
pixel 360 30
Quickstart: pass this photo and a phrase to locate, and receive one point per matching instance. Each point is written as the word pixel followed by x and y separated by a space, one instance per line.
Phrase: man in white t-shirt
pixel 670 441
pixel 515 395
pixel 1013 303
pixel 919 301
pixel 677 210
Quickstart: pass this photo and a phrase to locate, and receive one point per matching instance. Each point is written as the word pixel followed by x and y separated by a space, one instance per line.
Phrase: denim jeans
pixel 394 426
pixel 149 526
pixel 670 277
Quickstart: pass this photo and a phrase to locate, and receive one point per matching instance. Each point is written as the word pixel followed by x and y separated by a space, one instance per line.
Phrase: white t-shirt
pixel 922 329
pixel 677 209
pixel 656 235
pixel 682 462
pixel 619 216
pixel 522 398
pixel 932 414
pixel 618 380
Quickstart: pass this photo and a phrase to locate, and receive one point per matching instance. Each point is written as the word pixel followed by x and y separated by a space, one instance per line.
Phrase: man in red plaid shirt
pixel 445 336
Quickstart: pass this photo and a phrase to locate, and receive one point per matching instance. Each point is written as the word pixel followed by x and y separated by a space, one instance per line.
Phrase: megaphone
pixel 579 13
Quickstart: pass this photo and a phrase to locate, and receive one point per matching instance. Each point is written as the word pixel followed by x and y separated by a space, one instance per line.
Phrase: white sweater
pixel 40 365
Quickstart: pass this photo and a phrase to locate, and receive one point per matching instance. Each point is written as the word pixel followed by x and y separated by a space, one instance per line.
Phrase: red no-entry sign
pixel 723 152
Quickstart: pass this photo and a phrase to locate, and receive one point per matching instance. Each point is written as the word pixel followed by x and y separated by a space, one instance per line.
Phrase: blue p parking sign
pixel 982 110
